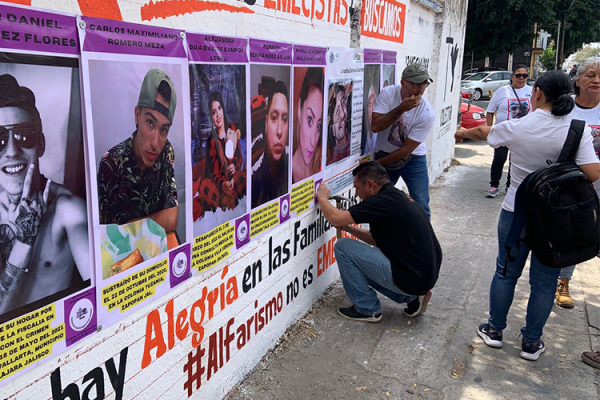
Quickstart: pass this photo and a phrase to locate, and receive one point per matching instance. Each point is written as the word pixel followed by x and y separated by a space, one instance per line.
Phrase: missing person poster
pixel 138 158
pixel 47 299
pixel 388 68
pixel 308 117
pixel 345 69
pixel 372 86
pixel 218 72
pixel 270 134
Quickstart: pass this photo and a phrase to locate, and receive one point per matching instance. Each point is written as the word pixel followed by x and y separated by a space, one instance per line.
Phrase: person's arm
pixel 489 118
pixel 332 214
pixel 218 170
pixel 383 121
pixel 592 171
pixel 72 212
pixel 403 152
pixel 477 133
pixel 166 218
pixel 360 233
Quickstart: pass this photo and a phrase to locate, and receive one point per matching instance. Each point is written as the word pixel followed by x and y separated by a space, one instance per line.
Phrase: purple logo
pixel 242 231
pixel 80 316
pixel 179 261
pixel 284 208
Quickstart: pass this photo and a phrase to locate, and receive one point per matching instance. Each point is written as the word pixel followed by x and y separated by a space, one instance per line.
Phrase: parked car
pixel 472 116
pixel 482 83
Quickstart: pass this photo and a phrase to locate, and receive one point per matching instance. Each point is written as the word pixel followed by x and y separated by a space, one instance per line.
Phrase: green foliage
pixel 548 57
pixel 498 26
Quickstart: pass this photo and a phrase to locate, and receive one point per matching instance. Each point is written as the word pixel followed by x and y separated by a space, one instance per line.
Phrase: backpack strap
pixel 571 145
pixel 518 223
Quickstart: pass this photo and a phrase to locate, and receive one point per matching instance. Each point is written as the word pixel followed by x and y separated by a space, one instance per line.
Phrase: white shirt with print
pixel 532 140
pixel 505 103
pixel 591 116
pixel 415 124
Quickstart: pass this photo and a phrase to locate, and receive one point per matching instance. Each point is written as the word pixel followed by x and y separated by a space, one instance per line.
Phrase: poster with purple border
pixel 218 70
pixel 40 52
pixel 138 229
pixel 108 36
pixel 265 51
pixel 373 56
pixel 389 57
pixel 308 105
pixel 270 113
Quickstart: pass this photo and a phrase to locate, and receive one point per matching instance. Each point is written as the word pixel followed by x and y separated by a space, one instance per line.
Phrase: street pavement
pixel 438 355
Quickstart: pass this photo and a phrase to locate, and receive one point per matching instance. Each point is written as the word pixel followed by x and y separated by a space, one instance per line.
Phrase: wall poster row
pixel 133 158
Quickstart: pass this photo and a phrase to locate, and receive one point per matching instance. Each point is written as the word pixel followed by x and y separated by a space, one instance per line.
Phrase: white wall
pixel 164 378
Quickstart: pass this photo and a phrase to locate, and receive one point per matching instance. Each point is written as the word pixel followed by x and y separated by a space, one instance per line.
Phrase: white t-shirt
pixel 506 104
pixel 591 116
pixel 532 140
pixel 414 124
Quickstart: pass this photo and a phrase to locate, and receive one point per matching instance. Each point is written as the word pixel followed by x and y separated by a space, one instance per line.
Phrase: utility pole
pixel 557 44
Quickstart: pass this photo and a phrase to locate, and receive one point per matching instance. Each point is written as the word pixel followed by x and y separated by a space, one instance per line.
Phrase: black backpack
pixel 559 208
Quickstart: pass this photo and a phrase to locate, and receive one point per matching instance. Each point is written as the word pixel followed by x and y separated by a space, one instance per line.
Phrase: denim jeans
pixel 500 156
pixel 567 272
pixel 416 177
pixel 364 268
pixel 542 281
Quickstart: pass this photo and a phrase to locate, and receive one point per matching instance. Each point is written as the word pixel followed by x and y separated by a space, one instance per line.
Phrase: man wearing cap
pixel 136 178
pixel 403 119
pixel 43 225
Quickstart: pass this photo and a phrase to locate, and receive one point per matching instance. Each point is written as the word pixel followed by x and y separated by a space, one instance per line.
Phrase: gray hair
pixel 581 69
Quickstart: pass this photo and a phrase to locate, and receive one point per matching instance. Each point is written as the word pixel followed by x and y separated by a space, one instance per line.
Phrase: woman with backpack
pixel 587 108
pixel 532 140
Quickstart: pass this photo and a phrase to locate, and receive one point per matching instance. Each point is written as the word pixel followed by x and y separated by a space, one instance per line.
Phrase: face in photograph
pixel 270 132
pixel 338 136
pixel 517 110
pixel 308 131
pixel 43 224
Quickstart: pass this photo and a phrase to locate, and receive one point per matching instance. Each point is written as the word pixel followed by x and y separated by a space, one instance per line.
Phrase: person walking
pixel 587 108
pixel 532 140
pixel 508 102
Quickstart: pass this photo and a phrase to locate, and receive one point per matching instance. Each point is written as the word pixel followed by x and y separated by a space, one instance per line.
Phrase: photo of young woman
pixel 338 121
pixel 308 123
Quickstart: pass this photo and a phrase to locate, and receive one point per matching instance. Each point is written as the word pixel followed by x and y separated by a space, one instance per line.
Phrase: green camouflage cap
pixel 416 73
pixel 149 90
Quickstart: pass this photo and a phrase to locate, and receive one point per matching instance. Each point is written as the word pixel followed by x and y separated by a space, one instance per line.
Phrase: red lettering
pixel 170 324
pixel 153 326
pixel 182 326
pixel 270 4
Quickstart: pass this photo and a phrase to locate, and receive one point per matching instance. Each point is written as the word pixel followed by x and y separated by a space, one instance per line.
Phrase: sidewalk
pixel 438 355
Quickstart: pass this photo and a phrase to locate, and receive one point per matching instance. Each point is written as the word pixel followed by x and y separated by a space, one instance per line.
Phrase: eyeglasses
pixel 521 76
pixel 423 84
pixel 24 136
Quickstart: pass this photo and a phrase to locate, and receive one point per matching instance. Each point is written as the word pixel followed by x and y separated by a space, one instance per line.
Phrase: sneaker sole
pixel 368 319
pixel 532 357
pixel 590 362
pixel 496 344
pixel 562 305
pixel 422 306
pixel 491 196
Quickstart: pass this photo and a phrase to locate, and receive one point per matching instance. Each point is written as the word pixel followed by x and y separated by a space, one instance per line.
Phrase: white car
pixel 483 83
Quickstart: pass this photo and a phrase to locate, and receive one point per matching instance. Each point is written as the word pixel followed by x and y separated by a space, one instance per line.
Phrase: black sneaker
pixel 490 336
pixel 418 305
pixel 352 314
pixel 532 350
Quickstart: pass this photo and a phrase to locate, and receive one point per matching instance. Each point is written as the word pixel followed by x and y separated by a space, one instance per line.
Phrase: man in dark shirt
pixel 400 256
pixel 136 178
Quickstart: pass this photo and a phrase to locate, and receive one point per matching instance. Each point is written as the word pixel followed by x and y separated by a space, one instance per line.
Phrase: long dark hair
pixel 337 87
pixel 556 86
pixel 216 96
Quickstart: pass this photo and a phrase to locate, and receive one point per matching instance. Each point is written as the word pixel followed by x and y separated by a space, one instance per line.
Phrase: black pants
pixel 500 156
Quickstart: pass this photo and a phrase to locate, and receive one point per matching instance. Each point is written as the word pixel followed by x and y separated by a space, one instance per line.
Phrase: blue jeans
pixel 542 281
pixel 567 272
pixel 364 268
pixel 416 177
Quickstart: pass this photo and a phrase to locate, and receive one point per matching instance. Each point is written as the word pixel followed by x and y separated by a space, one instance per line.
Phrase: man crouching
pixel 400 256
